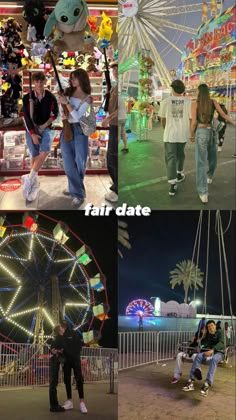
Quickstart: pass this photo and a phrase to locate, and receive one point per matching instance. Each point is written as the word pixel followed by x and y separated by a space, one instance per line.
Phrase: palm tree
pixel 123 236
pixel 188 274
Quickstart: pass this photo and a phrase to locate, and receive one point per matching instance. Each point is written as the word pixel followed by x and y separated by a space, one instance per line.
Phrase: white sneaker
pixel 209 180
pixel 68 405
pixel 112 197
pixel 26 185
pixel 219 149
pixel 204 198
pixel 83 408
pixel 34 190
pixel 77 202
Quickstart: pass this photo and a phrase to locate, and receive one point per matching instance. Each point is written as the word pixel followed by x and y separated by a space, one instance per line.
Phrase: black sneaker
pixel 57 409
pixel 189 386
pixel 180 177
pixel 198 374
pixel 205 389
pixel 172 189
pixel 125 150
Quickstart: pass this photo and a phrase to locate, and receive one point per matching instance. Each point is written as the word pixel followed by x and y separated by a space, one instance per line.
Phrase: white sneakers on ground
pixel 83 408
pixel 68 405
pixel 30 187
pixel 209 180
pixel 112 197
pixel 204 198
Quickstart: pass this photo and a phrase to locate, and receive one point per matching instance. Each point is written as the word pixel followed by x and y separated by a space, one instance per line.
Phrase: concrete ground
pixel 32 404
pixel 50 195
pixel 145 393
pixel 142 176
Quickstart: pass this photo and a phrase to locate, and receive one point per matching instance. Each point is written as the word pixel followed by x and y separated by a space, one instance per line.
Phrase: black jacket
pixel 43 110
pixel 73 344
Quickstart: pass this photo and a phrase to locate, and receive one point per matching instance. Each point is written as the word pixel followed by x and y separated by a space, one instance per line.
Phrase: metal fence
pixel 140 348
pixel 28 365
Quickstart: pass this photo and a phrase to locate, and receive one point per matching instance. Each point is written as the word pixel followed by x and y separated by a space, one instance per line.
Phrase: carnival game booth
pixel 33 36
pixel 210 58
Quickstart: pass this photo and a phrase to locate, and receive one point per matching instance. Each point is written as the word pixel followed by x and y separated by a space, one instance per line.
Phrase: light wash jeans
pixel 206 150
pixel 179 362
pixel 75 154
pixel 213 361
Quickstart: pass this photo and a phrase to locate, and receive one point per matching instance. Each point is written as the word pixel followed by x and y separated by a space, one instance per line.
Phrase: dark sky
pixel 99 233
pixel 159 242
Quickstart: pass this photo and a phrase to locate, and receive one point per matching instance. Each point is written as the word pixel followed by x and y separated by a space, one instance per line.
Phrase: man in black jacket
pixel 72 355
pixel 57 350
pixel 213 348
pixel 38 135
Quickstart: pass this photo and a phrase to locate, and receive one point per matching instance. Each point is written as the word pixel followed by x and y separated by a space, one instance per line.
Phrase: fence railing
pixel 140 348
pixel 28 365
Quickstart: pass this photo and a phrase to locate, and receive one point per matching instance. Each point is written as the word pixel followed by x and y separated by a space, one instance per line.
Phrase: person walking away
pixel 77 99
pixel 57 349
pixel 72 355
pixel 38 135
pixel 122 115
pixel 221 133
pixel 202 134
pixel 175 114
pixel 112 151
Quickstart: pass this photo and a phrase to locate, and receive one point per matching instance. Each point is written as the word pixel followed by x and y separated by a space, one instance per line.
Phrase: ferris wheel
pixel 143 25
pixel 140 307
pixel 47 273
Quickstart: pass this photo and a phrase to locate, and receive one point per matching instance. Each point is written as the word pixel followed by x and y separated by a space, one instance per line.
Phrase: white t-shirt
pixel 177 111
pixel 122 113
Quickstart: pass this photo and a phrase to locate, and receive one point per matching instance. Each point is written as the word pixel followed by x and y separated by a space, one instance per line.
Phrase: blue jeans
pixel 112 157
pixel 214 360
pixel 206 150
pixel 75 154
pixel 44 146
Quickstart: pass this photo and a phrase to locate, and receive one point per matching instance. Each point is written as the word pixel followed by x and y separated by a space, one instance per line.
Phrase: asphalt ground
pixel 143 181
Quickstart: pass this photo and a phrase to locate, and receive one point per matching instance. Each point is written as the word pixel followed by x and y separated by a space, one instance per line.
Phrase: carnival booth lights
pixel 86 39
pixel 210 58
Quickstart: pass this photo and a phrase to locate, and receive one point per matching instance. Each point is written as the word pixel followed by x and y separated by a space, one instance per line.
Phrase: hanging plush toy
pixel 68 16
pixel 89 43
pixel 105 28
pixel 92 21
pixel 35 15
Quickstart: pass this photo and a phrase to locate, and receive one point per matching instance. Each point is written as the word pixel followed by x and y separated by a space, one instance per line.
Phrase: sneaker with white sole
pixel 83 408
pixel 203 198
pixel 172 189
pixel 112 197
pixel 175 380
pixel 209 180
pixel 68 405
pixel 189 386
pixel 26 185
pixel 34 190
pixel 205 389
pixel 180 177
pixel 219 148
pixel 77 202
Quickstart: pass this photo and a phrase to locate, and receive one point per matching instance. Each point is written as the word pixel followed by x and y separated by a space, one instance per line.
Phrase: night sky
pixel 162 240
pixel 100 234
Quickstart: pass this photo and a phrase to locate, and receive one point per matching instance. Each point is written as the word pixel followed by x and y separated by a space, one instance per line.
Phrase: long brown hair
pixel 84 82
pixel 204 104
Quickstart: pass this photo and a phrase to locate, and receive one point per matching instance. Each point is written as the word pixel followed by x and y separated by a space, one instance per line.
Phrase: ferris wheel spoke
pixel 10 273
pixel 173 25
pixel 27 311
pixel 13 299
pixel 152 30
pixel 174 11
pixel 37 236
pixel 28 332
pixel 153 6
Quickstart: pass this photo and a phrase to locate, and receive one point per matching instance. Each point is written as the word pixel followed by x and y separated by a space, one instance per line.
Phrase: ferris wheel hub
pixel 130 8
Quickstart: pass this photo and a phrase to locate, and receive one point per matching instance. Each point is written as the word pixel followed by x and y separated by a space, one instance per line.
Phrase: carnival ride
pixel 143 25
pixel 140 307
pixel 223 284
pixel 48 273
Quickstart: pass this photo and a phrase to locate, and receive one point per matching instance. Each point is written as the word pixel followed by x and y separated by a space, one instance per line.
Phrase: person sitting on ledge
pixel 212 350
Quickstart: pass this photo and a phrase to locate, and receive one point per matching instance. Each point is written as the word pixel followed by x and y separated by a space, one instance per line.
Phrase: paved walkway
pixel 146 394
pixel 142 176
pixel 32 404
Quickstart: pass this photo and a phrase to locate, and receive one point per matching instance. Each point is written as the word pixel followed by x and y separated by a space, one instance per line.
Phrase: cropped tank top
pixel 211 116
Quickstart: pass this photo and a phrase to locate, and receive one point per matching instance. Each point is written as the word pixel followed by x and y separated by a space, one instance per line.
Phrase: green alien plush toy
pixel 68 16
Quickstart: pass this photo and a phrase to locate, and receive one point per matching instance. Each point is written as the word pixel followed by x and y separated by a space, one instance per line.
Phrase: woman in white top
pixel 77 100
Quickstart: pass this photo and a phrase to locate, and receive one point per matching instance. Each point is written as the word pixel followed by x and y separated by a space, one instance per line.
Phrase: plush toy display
pixel 68 16
pixel 91 67
pixel 89 43
pixel 92 21
pixel 35 15
pixel 105 28
pixel 145 85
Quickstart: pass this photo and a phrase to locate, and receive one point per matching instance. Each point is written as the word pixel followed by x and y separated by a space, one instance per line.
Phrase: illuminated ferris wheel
pixel 47 273
pixel 140 307
pixel 143 25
